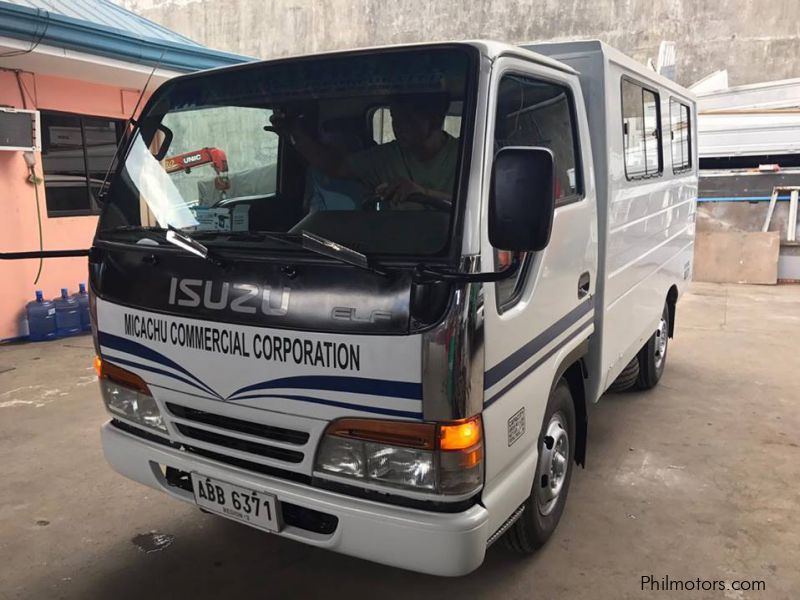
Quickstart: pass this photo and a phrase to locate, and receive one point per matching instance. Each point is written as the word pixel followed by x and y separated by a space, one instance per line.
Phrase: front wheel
pixel 544 506
pixel 653 355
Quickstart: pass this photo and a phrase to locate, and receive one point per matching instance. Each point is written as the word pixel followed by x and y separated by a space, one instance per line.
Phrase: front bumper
pixel 448 544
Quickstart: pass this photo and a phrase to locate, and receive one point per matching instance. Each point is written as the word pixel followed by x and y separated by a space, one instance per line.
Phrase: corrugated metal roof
pixel 102 28
pixel 107 14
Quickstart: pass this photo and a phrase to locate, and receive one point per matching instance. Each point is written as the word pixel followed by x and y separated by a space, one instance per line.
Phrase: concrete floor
pixel 696 479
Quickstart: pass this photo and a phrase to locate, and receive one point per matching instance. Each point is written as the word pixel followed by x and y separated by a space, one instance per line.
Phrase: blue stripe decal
pixel 371 409
pixel 519 356
pixel 119 361
pixel 321 383
pixel 118 343
pixel 533 367
pixel 335 383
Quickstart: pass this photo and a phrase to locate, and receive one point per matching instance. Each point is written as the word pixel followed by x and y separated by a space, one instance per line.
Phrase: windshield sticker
pixel 221 219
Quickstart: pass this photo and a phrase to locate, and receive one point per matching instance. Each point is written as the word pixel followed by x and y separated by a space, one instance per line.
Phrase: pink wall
pixel 18 224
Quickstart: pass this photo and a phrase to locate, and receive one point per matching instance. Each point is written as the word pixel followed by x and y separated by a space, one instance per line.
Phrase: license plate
pixel 254 508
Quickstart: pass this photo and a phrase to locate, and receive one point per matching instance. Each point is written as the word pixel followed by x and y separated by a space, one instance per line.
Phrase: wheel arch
pixel 573 370
pixel 672 303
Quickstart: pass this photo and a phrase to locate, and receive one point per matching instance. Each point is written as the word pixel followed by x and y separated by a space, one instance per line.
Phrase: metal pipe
pixel 42 254
pixel 791 229
pixel 770 210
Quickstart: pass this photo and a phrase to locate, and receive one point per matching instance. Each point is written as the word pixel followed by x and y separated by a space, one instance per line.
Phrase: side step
pixel 505 526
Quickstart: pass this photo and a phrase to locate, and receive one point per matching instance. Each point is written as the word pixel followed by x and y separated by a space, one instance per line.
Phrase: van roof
pixel 575 49
pixel 547 55
pixel 488 48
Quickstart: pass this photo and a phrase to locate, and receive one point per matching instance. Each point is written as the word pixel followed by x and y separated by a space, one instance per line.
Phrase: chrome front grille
pixel 279 434
pixel 239 444
pixel 237 437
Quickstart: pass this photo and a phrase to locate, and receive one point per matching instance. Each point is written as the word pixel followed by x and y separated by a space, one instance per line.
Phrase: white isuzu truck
pixel 378 323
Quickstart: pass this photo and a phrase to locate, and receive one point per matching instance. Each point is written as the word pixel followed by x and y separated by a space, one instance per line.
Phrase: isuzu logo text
pixel 238 297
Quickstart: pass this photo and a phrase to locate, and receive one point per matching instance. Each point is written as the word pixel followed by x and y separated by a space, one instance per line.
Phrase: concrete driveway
pixel 695 479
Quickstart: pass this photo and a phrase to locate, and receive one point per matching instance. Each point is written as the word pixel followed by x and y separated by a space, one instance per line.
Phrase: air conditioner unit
pixel 20 129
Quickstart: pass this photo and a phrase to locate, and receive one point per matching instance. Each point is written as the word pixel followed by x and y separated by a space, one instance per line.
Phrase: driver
pixel 417 168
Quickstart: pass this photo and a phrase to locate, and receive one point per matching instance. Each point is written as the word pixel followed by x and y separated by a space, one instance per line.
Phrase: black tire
pixel 627 379
pixel 539 519
pixel 653 355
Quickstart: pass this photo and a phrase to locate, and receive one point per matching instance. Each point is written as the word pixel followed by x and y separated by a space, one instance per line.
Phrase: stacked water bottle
pixel 60 317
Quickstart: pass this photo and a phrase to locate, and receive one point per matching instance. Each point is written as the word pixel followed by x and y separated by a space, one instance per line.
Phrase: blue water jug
pixel 41 319
pixel 83 302
pixel 68 315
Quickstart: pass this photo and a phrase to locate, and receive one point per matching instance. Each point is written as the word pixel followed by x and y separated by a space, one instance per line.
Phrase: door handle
pixel 583 285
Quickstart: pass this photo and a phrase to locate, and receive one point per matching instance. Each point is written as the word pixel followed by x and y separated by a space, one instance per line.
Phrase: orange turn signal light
pixel 105 370
pixel 460 436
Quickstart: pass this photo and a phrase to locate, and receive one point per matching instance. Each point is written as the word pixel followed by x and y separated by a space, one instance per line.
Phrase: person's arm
pixel 405 190
pixel 438 200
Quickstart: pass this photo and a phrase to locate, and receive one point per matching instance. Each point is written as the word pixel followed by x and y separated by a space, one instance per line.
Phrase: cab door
pixel 537 318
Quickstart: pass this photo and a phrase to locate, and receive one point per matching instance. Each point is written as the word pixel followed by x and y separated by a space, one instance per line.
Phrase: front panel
pixel 285 379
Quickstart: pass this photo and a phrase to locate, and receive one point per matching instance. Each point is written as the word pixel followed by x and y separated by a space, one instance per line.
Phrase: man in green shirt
pixel 416 170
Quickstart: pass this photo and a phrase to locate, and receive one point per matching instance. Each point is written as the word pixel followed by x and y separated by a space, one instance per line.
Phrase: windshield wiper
pixel 305 240
pixel 331 249
pixel 312 243
pixel 183 240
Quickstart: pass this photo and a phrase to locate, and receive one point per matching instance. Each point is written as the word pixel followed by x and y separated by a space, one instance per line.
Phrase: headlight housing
pixel 434 458
pixel 126 395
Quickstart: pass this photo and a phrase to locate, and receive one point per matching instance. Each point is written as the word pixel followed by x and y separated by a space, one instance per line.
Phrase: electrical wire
pixel 25 87
pixel 36 40
pixel 131 121
pixel 35 183
pixel 35 92
pixel 21 91
pixel 24 90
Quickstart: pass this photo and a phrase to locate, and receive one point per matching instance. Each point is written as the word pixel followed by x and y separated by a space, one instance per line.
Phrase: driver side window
pixel 532 112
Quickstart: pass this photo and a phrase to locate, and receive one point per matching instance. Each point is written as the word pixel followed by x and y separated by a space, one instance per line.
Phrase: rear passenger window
pixel 681 134
pixel 641 131
pixel 531 112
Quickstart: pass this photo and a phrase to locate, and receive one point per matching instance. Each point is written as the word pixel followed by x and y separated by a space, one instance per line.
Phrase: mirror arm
pixel 426 274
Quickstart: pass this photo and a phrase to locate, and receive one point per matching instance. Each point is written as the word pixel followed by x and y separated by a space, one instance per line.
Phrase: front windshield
pixel 363 150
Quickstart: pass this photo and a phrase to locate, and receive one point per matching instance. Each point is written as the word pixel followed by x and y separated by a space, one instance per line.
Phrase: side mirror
pixel 522 199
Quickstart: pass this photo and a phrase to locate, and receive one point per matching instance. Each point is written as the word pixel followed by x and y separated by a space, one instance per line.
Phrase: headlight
pixel 443 458
pixel 342 456
pixel 127 395
pixel 406 467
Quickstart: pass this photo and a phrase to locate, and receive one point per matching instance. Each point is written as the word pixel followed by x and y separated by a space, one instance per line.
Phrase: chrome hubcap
pixel 660 350
pixel 553 464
